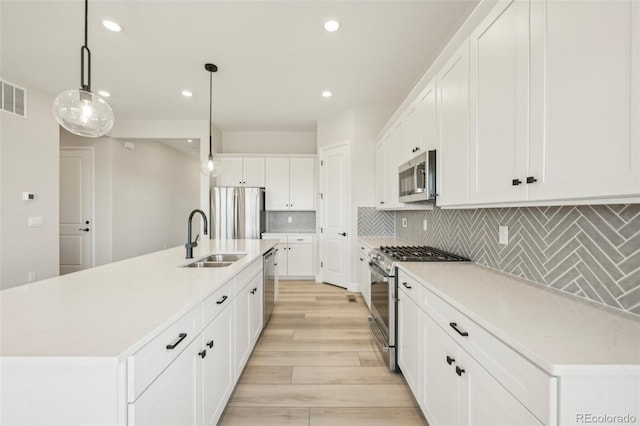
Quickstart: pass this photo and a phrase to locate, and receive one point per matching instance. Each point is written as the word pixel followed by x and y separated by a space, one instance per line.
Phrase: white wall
pixel 269 142
pixel 155 187
pixel 356 127
pixel 29 159
pixel 102 226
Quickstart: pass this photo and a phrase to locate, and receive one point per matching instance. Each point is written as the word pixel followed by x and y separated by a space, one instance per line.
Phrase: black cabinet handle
pixel 181 337
pixel 255 289
pixel 459 371
pixel 381 202
pixel 460 332
pixel 407 285
pixel 450 360
pixel 210 344
pixel 361 259
pixel 417 148
pixel 516 182
pixel 344 234
pixel 221 301
pixel 531 179
pixel 203 353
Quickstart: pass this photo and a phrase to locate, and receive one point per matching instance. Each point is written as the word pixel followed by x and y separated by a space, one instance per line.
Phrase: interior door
pixel 335 215
pixel 76 209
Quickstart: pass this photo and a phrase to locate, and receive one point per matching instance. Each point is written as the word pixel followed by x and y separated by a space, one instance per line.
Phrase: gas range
pixel 385 256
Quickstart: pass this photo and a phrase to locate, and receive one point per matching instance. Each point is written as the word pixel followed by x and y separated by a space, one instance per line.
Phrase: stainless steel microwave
pixel 417 179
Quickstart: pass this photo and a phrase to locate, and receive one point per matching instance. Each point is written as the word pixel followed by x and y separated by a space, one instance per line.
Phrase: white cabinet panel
pixel 283 256
pixel 217 366
pixel 231 174
pixel 256 307
pixel 453 117
pixel 427 119
pixel 499 105
pixel 240 171
pixel 584 99
pixel 253 172
pixel 301 186
pixel 172 398
pixel 242 313
pixel 409 348
pixel 300 259
pixel 380 174
pixel 411 134
pixel 277 184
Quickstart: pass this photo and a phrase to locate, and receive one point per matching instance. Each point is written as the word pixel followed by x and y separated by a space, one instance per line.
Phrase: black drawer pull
pixel 531 179
pixel 450 360
pixel 253 291
pixel 210 344
pixel 181 337
pixel 460 332
pixel 459 371
pixel 221 301
pixel 516 182
pixel 203 353
pixel 407 285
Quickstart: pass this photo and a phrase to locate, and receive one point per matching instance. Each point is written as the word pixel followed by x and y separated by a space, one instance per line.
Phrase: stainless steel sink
pixel 223 257
pixel 202 264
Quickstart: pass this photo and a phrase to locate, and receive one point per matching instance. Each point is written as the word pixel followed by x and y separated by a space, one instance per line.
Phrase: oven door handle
pixel 378 271
pixel 372 319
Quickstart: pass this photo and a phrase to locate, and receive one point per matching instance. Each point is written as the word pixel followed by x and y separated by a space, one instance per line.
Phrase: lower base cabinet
pixel 364 275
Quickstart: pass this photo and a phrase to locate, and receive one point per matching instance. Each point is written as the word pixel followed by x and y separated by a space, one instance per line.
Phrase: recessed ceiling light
pixel 327 94
pixel 332 25
pixel 113 26
pixel 189 140
pixel 104 93
pixel 187 93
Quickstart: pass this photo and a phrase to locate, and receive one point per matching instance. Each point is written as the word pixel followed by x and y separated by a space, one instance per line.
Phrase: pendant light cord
pixel 83 49
pixel 210 111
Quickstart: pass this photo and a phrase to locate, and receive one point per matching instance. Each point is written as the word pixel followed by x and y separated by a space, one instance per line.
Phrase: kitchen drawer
pixel 411 287
pixel 216 302
pixel 279 237
pixel 248 273
pixel 531 386
pixel 300 239
pixel 148 363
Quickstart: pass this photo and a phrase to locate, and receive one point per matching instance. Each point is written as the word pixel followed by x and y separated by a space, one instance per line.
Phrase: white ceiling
pixel 274 57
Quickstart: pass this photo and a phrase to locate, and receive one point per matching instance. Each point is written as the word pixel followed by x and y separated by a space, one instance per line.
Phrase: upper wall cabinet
pixel 453 129
pixel 585 115
pixel 290 183
pixel 238 171
pixel 499 105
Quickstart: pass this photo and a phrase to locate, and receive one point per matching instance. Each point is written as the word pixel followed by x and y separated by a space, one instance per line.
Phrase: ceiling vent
pixel 13 99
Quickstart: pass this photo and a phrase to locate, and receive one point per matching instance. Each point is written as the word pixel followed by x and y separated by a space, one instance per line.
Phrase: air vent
pixel 13 99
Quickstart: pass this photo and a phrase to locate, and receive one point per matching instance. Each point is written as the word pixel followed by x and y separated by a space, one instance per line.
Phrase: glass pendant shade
pixel 83 113
pixel 210 166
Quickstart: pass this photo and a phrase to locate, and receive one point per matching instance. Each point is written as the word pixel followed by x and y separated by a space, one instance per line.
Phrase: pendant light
pixel 80 111
pixel 211 165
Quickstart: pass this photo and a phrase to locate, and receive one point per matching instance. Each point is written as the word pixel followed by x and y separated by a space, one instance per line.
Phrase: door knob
pixel 83 229
pixel 344 234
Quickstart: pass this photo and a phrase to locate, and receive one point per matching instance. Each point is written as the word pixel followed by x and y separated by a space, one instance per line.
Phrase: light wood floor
pixel 316 364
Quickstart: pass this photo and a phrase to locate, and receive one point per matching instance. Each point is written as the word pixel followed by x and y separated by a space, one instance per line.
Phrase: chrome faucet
pixel 191 244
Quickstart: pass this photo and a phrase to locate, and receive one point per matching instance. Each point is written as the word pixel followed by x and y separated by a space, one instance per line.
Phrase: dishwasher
pixel 270 271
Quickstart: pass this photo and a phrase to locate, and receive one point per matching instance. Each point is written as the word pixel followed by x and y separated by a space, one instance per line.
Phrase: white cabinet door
pixel 485 402
pixel 409 342
pixel 453 127
pixel 283 264
pixel 242 313
pixel 365 277
pixel 218 376
pixel 277 184
pixel 301 183
pixel 253 172
pixel 380 174
pixel 173 398
pixel 500 105
pixel 231 174
pixel 256 307
pixel 441 394
pixel 300 262
pixel 585 99
pixel 411 133
pixel 393 154
pixel 427 119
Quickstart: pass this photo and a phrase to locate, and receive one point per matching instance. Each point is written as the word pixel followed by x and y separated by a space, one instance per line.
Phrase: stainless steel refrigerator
pixel 237 212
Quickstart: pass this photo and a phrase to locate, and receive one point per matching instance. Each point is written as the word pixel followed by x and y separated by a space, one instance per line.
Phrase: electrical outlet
pixel 404 222
pixel 31 277
pixel 289 219
pixel 503 234
pixel 33 222
pixel 424 225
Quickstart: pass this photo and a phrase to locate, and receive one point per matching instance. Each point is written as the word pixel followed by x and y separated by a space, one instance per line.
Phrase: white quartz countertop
pixel 289 233
pixel 376 242
pixel 560 333
pixel 110 310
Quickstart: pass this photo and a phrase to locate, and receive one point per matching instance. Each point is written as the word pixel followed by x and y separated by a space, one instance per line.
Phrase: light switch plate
pixel 33 222
pixel 404 222
pixel 424 225
pixel 289 219
pixel 503 234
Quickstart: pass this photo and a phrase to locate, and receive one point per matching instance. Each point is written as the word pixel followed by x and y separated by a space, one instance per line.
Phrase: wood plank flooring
pixel 316 364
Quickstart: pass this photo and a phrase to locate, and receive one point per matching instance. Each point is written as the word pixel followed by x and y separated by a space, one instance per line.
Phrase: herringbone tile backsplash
pixel 375 223
pixel 300 221
pixel 588 251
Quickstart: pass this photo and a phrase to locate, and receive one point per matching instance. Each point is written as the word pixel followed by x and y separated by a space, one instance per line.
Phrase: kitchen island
pixel 92 347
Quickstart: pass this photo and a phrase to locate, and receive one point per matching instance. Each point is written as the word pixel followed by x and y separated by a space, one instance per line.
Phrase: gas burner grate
pixel 420 254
